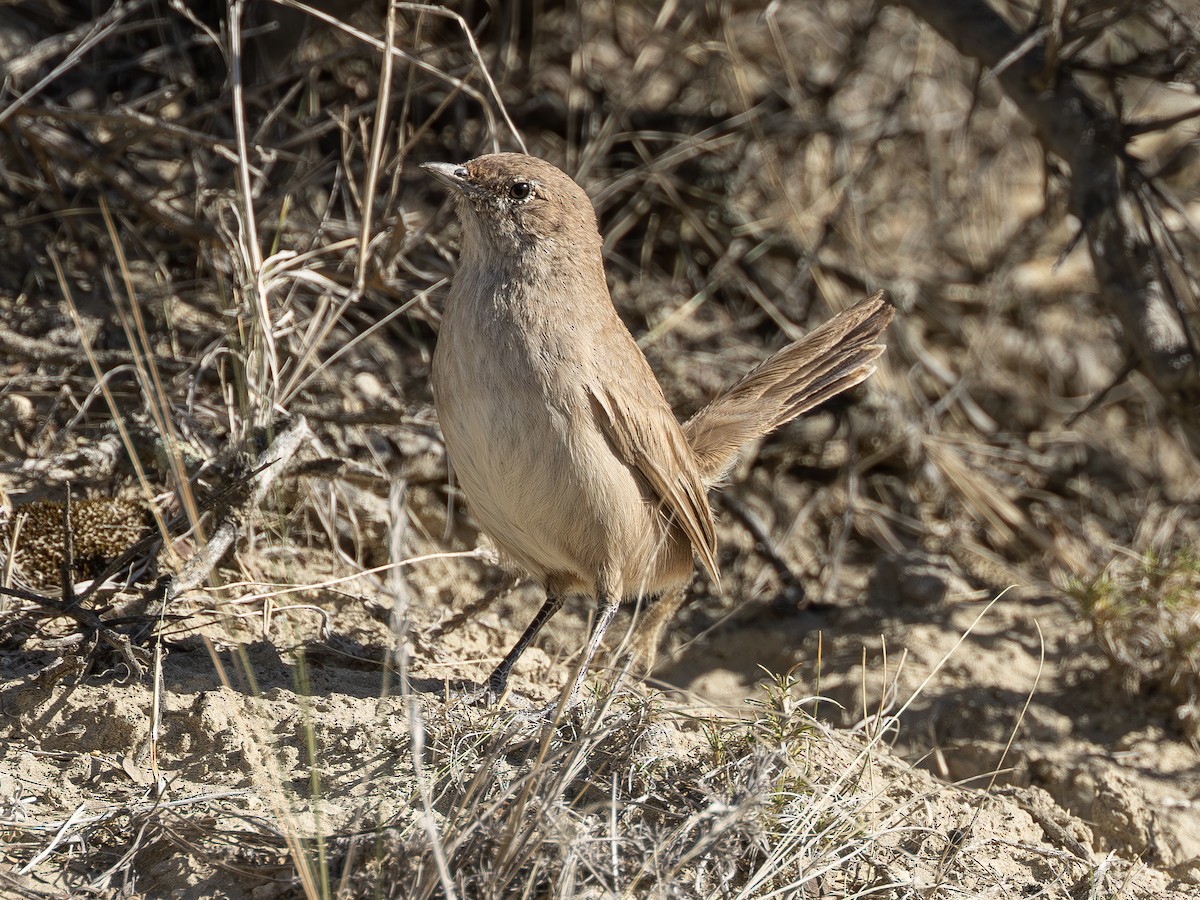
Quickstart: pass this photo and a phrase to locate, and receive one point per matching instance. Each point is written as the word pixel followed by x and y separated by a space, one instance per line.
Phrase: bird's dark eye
pixel 520 190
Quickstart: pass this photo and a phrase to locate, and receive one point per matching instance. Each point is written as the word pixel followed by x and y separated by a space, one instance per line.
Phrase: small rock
pixel 914 579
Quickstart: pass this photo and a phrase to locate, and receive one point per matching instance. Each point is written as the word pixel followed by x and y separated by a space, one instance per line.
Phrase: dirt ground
pixel 1088 769
pixel 900 688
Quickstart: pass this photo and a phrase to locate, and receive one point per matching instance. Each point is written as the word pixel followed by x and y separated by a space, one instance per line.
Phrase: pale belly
pixel 543 482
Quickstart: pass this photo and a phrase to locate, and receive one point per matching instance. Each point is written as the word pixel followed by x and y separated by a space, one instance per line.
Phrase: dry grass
pixel 213 232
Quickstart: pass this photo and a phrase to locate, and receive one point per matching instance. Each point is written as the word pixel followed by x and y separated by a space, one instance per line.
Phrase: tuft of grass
pixel 1145 615
pixel 616 807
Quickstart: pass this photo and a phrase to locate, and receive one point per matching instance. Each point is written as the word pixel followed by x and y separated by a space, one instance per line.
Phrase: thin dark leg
pixel 498 680
pixel 604 616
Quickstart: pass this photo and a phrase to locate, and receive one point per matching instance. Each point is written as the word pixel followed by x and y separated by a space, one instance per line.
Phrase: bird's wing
pixel 647 437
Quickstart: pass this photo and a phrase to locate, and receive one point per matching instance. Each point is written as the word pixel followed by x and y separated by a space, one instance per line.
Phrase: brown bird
pixel 569 455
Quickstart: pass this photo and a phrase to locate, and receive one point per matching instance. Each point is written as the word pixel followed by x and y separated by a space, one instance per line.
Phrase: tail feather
pixel 832 358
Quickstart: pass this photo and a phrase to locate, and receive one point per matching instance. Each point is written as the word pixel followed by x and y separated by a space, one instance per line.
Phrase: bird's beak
pixel 449 174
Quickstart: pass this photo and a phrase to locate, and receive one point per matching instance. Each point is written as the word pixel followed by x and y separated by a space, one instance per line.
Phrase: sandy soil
pixel 1058 766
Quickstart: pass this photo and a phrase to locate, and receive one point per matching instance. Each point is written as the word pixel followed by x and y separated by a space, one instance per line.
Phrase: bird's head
pixel 513 203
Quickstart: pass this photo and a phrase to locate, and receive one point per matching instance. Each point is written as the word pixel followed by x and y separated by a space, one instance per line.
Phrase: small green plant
pixel 1145 615
pixel 781 717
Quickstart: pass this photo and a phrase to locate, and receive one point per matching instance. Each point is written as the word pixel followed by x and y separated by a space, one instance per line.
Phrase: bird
pixel 569 455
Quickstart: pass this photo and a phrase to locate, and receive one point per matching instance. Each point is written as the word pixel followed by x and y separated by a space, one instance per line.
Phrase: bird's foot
pixel 488 695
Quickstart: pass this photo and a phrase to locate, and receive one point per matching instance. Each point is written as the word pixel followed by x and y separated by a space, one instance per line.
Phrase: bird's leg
pixel 498 680
pixel 652 626
pixel 607 609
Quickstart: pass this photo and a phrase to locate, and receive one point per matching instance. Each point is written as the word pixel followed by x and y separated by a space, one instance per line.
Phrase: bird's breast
pixel 539 474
